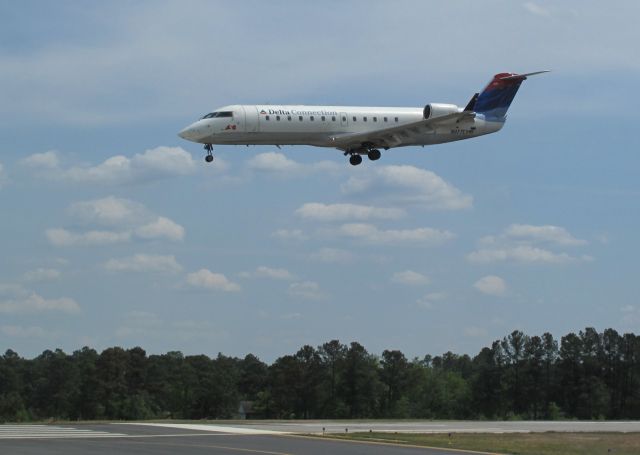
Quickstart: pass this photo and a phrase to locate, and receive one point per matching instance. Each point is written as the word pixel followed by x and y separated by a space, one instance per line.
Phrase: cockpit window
pixel 219 114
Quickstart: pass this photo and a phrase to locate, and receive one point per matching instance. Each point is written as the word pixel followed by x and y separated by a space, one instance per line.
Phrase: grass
pixel 516 443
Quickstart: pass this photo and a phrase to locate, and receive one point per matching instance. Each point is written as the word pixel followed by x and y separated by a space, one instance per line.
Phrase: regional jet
pixel 358 131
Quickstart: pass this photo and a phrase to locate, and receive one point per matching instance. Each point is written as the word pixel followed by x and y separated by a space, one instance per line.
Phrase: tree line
pixel 589 375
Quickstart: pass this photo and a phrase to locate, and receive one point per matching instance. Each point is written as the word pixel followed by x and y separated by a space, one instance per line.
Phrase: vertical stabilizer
pixel 495 99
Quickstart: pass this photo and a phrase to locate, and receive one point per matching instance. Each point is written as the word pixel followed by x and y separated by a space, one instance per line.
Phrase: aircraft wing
pixel 397 135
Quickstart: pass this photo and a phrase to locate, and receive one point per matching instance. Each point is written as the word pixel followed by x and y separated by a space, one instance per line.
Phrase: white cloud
pixel 273 162
pixel 275 274
pixel 419 236
pixel 163 161
pixel 332 255
pixel 131 219
pixel 42 274
pixel 520 253
pixel 290 234
pixel 16 299
pixel 491 285
pixel 536 9
pixel 63 237
pixel 109 211
pixel 411 278
pixel 518 243
pixel 278 163
pixel 207 279
pixel 144 263
pixel 428 301
pixel 409 185
pixel 306 290
pixel 547 233
pixel 340 212
pixel 161 228
pixel 46 160
pixel 160 162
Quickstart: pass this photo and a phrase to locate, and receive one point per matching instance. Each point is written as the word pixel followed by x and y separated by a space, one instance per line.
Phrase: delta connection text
pixel 295 112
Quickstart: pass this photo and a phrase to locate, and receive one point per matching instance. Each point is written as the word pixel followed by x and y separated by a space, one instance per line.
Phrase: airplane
pixel 355 130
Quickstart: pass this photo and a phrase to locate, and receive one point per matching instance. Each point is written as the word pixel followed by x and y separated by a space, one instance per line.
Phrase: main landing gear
pixel 356 155
pixel 209 157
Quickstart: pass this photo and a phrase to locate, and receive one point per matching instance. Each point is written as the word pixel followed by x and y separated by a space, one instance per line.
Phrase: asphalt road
pixel 135 439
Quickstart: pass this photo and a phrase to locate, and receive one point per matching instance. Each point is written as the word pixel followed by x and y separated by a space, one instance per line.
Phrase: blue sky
pixel 115 232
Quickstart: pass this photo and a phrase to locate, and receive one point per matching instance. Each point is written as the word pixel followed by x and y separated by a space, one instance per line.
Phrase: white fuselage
pixel 318 125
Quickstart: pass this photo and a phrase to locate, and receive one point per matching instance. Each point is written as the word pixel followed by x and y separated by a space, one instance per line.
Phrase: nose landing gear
pixel 209 157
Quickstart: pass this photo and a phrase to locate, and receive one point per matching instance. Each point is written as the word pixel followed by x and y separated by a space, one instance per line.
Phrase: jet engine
pixel 433 110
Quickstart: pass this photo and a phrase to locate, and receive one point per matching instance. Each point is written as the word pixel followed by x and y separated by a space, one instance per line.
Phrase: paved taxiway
pixel 124 439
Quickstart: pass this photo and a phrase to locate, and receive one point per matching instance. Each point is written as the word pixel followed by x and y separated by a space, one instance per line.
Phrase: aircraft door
pixel 344 119
pixel 239 118
pixel 251 119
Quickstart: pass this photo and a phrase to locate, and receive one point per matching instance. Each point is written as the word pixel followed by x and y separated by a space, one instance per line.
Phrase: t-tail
pixel 494 101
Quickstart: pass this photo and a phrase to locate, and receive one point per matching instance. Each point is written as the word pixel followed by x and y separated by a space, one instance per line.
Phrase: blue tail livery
pixel 495 99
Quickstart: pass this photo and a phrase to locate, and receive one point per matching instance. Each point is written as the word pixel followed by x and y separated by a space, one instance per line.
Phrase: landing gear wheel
pixel 374 154
pixel 209 157
pixel 355 160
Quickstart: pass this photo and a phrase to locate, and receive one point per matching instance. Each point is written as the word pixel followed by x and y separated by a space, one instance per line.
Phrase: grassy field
pixel 518 443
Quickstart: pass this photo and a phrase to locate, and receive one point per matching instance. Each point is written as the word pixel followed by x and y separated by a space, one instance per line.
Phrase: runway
pixel 274 438
pixel 139 439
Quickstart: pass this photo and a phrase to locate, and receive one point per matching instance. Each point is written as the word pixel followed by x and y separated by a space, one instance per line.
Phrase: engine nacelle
pixel 434 110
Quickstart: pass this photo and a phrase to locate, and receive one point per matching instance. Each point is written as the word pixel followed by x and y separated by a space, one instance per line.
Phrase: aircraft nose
pixel 189 133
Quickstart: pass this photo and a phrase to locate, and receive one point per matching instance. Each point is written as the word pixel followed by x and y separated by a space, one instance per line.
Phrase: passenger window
pixel 267 117
pixel 385 119
pixel 344 119
pixel 396 119
pixel 364 119
pixel 354 118
pixel 289 117
pixel 375 119
pixel 300 117
pixel 277 117
pixel 322 118
pixel 311 118
pixel 333 118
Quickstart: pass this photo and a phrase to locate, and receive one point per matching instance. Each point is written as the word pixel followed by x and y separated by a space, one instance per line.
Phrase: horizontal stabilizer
pixel 524 76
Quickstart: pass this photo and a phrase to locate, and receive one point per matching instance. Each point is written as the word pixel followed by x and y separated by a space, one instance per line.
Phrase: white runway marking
pixel 211 428
pixel 51 432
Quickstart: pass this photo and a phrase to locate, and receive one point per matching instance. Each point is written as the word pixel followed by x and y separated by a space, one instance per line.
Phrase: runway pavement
pixel 275 438
pixel 139 439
